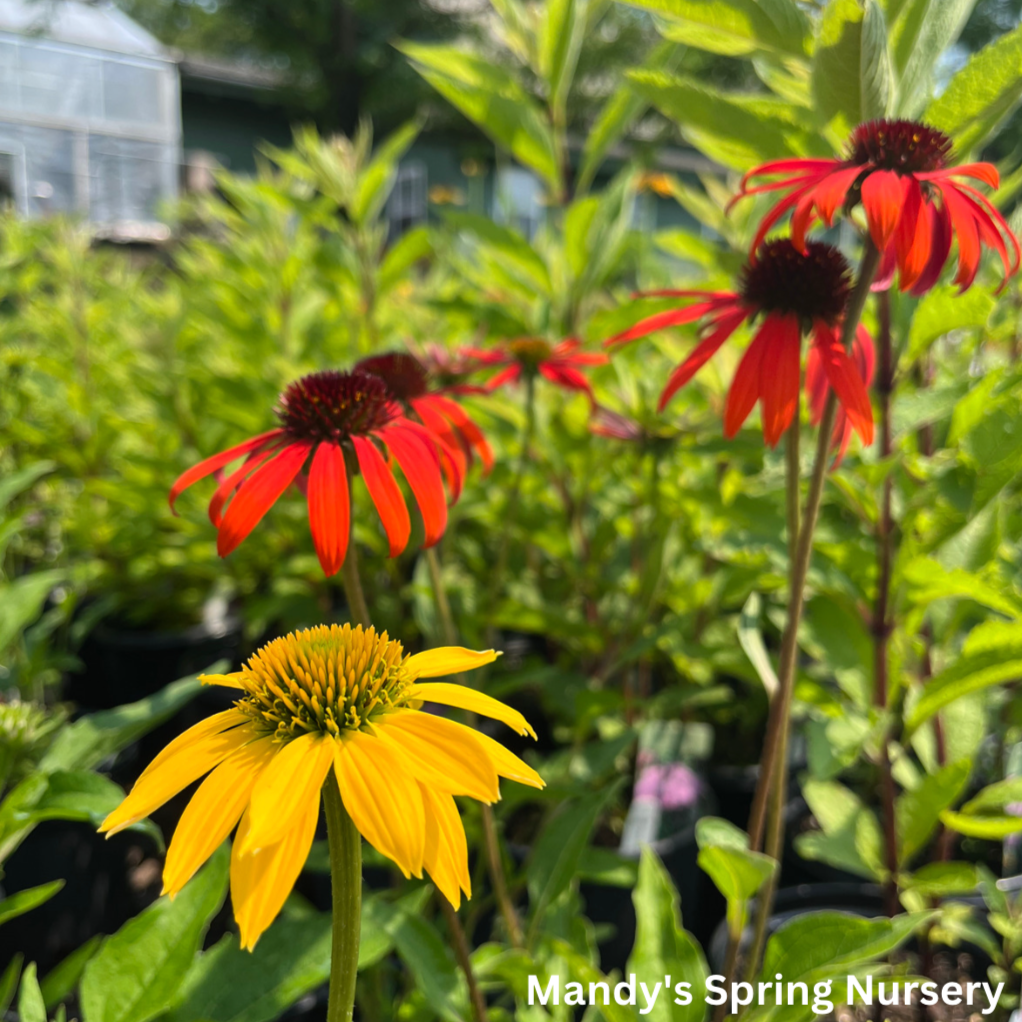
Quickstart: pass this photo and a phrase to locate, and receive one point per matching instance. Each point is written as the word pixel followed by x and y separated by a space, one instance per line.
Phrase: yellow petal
pixel 227 680
pixel 261 882
pixel 436 663
pixel 379 790
pixel 446 857
pixel 508 765
pixel 295 773
pixel 444 751
pixel 468 699
pixel 184 760
pixel 213 811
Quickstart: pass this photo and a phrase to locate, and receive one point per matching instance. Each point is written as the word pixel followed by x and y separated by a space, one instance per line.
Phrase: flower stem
pixel 475 995
pixel 507 908
pixel 881 610
pixel 773 775
pixel 357 606
pixel 345 844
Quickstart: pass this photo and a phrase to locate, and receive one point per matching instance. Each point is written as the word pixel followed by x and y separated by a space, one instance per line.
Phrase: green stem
pixel 345 844
pixel 511 507
pixel 774 763
pixel 493 856
pixel 353 592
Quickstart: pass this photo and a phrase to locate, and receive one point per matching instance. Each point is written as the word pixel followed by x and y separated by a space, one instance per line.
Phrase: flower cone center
pixel 530 351
pixel 905 146
pixel 327 679
pixel 332 405
pixel 404 375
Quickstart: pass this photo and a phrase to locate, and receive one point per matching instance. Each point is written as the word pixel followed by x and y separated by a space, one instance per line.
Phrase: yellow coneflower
pixel 329 697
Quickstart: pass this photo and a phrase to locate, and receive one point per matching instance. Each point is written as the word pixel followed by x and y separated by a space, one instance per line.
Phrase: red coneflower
pixel 795 292
pixel 330 421
pixel 818 388
pixel 408 382
pixel 559 363
pixel 914 202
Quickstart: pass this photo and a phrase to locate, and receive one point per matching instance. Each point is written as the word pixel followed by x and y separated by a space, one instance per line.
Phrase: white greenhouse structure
pixel 90 115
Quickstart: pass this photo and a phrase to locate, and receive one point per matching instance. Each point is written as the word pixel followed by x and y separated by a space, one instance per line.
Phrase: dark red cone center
pixel 332 405
pixel 905 146
pixel 404 375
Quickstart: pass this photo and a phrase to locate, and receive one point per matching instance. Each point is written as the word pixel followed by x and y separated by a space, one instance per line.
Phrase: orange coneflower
pixel 795 293
pixel 408 382
pixel 914 201
pixel 330 422
pixel 559 363
pixel 329 698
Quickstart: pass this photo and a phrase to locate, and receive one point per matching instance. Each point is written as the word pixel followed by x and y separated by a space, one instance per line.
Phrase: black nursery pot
pixel 121 665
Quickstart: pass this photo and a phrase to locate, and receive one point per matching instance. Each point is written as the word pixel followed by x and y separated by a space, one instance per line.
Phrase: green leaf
pixel 995 655
pixel 9 982
pixel 555 855
pixel 834 942
pixel 736 130
pixel 14 483
pixel 941 879
pixel 227 984
pixel 989 828
pixel 21 602
pixel 852 78
pixel 30 998
pixel 60 982
pixel 751 640
pixel 506 244
pixel 412 247
pixel 943 310
pixel 662 946
pixel 93 737
pixel 488 95
pixel 981 96
pixel 24 901
pixel 929 581
pixel 429 961
pixel 624 107
pixel 995 796
pixel 920 33
pixel 136 973
pixel 917 812
pixel 737 873
pixel 561 31
pixel 850 837
pixel 734 28
pixel 377 179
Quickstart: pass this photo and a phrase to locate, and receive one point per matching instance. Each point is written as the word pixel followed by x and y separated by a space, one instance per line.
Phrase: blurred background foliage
pixel 631 565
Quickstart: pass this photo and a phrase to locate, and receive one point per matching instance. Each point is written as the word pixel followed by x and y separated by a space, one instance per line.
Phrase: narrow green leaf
pixel 9 982
pixel 736 130
pixel 21 602
pixel 377 179
pixel 18 482
pixel 738 874
pixel 62 979
pixel 93 737
pixel 494 100
pixel 989 828
pixel 30 999
pixel 942 311
pixel 876 75
pixel 562 29
pixel 917 812
pixel 751 640
pixel 24 901
pixel 507 245
pixel 136 974
pixel 995 796
pixel 662 946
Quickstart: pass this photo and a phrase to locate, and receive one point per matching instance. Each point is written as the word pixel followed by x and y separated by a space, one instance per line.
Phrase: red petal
pixel 232 482
pixel 258 495
pixel 940 247
pixel 997 224
pixel 454 453
pixel 329 506
pixel 724 327
pixel 385 494
pixel 508 375
pixel 773 216
pixel 801 220
pixel 844 377
pixel 817 386
pixel 418 460
pixel 864 354
pixel 661 321
pixel 912 238
pixel 784 166
pixel 885 271
pixel 210 465
pixel 744 392
pixel 963 221
pixel 985 172
pixel 832 191
pixel 565 376
pixel 779 372
pixel 882 197
pixel 462 421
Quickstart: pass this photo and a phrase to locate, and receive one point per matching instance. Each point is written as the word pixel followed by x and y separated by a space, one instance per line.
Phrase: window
pixel 518 201
pixel 406 207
